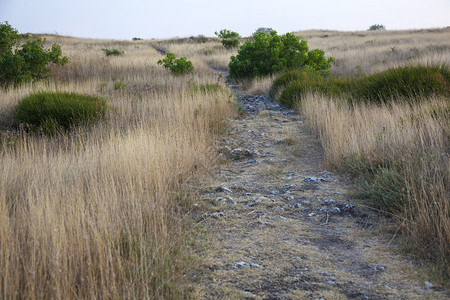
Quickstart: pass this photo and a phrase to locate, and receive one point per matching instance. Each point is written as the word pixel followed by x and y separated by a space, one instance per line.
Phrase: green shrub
pixel 229 38
pixel 227 34
pixel 58 111
pixel 230 43
pixel 26 62
pixel 281 81
pixel 137 39
pixel 312 82
pixel 271 53
pixel 113 52
pixel 410 82
pixel 177 66
pixel 377 27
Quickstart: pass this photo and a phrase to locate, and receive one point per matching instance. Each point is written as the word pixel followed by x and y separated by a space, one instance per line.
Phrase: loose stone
pixel 226 200
pixel 244 264
pixel 217 215
pixel 223 189
pixel 328 202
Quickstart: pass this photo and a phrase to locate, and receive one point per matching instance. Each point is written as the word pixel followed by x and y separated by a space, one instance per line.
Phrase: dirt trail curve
pixel 281 227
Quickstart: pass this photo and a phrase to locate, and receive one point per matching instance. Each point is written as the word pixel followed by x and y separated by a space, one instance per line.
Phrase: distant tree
pixel 377 27
pixel 266 30
pixel 25 62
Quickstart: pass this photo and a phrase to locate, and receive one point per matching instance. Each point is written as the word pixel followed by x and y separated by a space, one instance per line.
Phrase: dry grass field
pixel 101 213
pixel 410 144
pixel 367 52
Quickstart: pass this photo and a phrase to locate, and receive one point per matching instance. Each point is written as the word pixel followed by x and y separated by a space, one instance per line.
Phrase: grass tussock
pixel 409 82
pixel 400 154
pixel 51 112
pixel 100 211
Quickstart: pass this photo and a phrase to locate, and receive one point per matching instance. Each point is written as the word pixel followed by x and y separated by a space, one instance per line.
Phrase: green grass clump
pixel 280 82
pixel 120 85
pixel 113 52
pixel 309 82
pixel 51 112
pixel 410 82
pixel 207 88
pixel 385 189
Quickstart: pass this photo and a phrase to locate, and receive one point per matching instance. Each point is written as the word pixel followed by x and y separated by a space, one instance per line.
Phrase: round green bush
pixel 270 53
pixel 59 111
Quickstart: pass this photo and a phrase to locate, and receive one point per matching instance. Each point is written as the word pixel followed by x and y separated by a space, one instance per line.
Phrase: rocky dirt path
pixel 282 227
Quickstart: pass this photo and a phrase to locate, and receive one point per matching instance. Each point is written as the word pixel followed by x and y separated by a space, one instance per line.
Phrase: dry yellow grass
pixel 258 86
pixel 100 213
pixel 410 140
pixel 365 52
pixel 210 54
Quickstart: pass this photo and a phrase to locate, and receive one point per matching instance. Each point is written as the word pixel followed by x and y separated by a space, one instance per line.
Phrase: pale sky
pixel 170 18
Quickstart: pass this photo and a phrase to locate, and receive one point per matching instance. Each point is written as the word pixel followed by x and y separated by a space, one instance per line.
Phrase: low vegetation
pixel 53 112
pixel 113 52
pixel 178 66
pixel 411 82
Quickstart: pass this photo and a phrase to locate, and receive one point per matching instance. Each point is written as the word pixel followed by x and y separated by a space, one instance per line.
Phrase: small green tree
pixel 377 27
pixel 177 66
pixel 271 53
pixel 229 38
pixel 26 62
